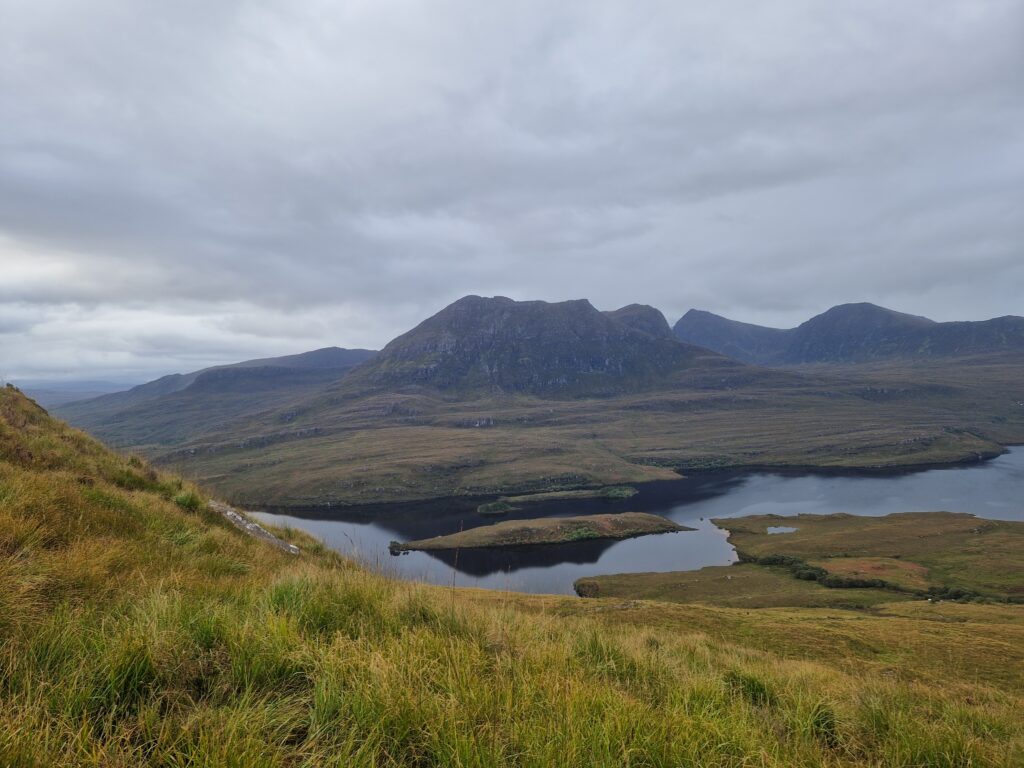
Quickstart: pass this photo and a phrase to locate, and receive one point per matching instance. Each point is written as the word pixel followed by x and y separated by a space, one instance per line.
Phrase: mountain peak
pixel 566 347
pixel 740 341
pixel 851 333
pixel 866 312
pixel 642 317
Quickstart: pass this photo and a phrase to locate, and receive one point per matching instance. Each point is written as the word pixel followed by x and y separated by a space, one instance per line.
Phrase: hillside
pixel 495 397
pixel 182 406
pixel 852 333
pixel 561 349
pixel 139 628
pixel 753 344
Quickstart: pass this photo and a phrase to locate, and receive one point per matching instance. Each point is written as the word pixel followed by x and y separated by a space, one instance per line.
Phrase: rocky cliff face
pixel 531 346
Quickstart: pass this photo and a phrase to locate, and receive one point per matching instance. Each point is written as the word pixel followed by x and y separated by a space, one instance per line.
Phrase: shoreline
pixel 473 501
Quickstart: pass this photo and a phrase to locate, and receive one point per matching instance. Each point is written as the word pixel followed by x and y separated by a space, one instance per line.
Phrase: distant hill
pixel 492 396
pixel 179 406
pixel 851 333
pixel 566 348
pixel 50 393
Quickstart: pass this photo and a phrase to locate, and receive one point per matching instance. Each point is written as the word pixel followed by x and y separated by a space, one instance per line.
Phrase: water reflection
pixel 993 489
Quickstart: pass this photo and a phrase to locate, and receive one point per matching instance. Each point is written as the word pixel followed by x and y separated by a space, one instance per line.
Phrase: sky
pixel 189 183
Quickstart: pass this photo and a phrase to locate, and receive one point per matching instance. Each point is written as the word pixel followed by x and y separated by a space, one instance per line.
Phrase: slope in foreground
pixel 137 628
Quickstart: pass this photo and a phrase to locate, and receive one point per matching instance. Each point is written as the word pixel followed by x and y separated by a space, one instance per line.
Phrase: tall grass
pixel 137 629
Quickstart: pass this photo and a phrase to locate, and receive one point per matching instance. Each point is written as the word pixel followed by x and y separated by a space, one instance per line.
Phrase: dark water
pixel 994 489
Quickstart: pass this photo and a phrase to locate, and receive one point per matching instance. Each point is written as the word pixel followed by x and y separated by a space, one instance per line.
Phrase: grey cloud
pixel 248 177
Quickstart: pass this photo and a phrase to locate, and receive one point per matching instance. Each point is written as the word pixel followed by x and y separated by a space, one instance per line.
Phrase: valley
pixel 146 600
pixel 492 397
pixel 988 490
pixel 146 626
pixel 511 385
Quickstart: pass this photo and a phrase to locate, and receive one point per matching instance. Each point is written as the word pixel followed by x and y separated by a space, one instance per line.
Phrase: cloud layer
pixel 189 183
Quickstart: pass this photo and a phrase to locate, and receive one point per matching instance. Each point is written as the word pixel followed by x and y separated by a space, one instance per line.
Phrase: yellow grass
pixel 137 628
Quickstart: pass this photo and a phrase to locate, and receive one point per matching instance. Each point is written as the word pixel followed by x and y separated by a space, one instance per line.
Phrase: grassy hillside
pixel 416 444
pixel 179 407
pixel 493 397
pixel 136 627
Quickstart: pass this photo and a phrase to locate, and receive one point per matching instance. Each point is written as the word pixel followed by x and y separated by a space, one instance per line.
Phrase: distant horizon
pixel 127 379
pixel 182 186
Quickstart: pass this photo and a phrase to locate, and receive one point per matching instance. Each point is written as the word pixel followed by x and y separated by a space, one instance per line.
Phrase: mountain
pixel 180 406
pixel 552 349
pixel 851 333
pixel 644 318
pixel 497 397
pixel 740 341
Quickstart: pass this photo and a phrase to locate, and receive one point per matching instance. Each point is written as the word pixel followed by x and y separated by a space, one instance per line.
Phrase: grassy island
pixel 509 503
pixel 547 530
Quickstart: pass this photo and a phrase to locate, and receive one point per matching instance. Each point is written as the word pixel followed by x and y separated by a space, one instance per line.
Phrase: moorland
pixel 845 561
pixel 138 626
pixel 492 398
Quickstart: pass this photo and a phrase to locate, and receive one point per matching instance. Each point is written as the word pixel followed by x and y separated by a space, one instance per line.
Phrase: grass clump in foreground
pixel 547 530
pixel 137 631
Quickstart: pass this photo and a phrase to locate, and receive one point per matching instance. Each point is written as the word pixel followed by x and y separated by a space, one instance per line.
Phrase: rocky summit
pixel 563 348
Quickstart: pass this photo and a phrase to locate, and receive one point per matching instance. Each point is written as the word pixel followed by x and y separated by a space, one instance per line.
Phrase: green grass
pixel 843 561
pixel 508 503
pixel 135 630
pixel 547 530
pixel 738 586
pixel 343 447
pixel 917 551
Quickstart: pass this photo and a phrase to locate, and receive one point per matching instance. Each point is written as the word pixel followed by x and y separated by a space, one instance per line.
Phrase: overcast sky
pixel 191 182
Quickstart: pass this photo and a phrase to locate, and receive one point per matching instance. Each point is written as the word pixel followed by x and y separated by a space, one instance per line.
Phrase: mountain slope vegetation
pixel 139 628
pixel 496 397
pixel 182 406
pixel 852 333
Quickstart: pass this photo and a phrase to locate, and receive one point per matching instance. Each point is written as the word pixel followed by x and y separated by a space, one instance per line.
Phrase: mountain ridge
pixel 178 406
pixel 851 333
pixel 560 348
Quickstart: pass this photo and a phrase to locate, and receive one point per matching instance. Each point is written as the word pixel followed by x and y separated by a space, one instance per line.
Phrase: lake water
pixel 993 489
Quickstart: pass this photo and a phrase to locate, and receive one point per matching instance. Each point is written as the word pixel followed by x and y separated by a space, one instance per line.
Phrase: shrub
pixel 749 687
pixel 824 725
pixel 619 492
pixel 190 501
pixel 494 508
